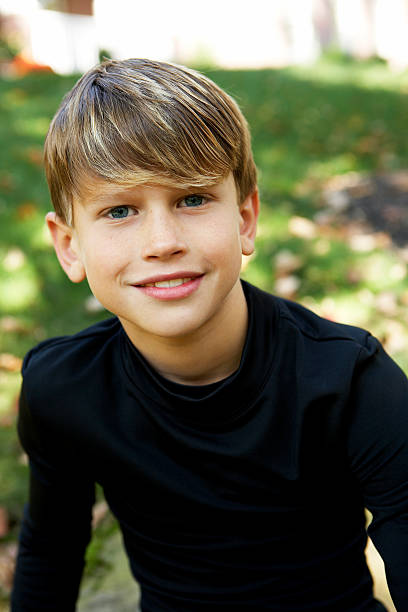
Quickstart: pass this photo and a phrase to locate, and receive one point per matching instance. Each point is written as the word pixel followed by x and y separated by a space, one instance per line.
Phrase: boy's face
pixel 166 261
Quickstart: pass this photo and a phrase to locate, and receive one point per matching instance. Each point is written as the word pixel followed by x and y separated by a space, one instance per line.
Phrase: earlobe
pixel 249 211
pixel 63 238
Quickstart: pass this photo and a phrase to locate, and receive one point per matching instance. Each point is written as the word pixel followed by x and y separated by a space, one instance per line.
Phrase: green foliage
pixel 7 50
pixel 104 55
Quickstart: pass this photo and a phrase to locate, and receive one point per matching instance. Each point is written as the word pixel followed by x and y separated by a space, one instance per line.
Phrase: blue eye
pixel 193 200
pixel 119 212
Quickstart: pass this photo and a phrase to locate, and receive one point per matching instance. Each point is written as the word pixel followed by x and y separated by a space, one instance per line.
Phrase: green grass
pixel 307 125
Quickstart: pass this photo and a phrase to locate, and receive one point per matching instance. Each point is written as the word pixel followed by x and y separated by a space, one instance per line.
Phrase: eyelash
pixel 202 197
pixel 112 210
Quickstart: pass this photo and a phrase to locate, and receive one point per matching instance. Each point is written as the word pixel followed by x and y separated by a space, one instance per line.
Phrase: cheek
pixel 229 232
pixel 104 257
pixel 224 248
pixel 224 230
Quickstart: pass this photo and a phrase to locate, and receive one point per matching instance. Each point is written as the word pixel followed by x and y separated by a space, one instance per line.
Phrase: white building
pixel 229 33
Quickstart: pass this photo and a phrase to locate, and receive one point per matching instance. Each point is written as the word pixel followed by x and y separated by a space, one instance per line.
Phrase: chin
pixel 174 331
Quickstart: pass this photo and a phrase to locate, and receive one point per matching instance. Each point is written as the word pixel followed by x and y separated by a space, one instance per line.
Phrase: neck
pixel 208 355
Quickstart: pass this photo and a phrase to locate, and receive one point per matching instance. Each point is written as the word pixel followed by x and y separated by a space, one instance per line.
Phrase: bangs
pixel 163 124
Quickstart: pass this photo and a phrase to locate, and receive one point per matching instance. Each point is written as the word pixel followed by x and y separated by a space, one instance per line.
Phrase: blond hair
pixel 138 121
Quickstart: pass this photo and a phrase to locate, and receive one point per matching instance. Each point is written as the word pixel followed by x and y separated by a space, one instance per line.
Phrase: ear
pixel 249 211
pixel 66 248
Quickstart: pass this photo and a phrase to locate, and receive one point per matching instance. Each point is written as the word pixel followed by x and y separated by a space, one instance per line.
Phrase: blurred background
pixel 70 35
pixel 323 84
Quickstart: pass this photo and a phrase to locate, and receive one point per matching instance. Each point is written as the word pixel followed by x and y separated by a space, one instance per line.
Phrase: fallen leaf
pixel 393 213
pixel 10 363
pixel 404 297
pixel 6 181
pixel 23 459
pixel 287 286
pixel 14 259
pixel 287 262
pixel 8 417
pixel 366 296
pixel 395 337
pixel 354 276
pixel 398 271
pixel 34 155
pixel 362 243
pixel 93 305
pixel 369 144
pixel 386 302
pixel 337 200
pixel 99 512
pixel 4 522
pixel 328 309
pixel 302 228
pixel 11 325
pixel 8 555
pixel 22 65
pixel 26 210
pixel 322 247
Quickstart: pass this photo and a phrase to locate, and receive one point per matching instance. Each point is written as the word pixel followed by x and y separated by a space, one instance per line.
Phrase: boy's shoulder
pixel 321 355
pixel 62 353
pixel 306 322
pixel 318 328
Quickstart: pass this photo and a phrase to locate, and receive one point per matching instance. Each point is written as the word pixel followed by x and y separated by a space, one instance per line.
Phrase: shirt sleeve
pixel 378 453
pixel 56 527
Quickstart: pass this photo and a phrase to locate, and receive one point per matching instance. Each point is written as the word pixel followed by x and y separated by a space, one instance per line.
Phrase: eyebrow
pixel 99 199
pixel 123 193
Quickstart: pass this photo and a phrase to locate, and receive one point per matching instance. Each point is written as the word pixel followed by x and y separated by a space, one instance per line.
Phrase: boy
pixel 237 436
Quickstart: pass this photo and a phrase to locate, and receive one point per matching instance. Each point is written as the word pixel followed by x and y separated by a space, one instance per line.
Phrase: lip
pixel 170 293
pixel 166 277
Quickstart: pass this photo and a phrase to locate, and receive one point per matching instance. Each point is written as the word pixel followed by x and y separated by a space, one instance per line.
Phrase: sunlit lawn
pixel 307 125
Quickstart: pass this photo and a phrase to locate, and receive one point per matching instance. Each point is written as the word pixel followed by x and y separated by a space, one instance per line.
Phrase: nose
pixel 162 236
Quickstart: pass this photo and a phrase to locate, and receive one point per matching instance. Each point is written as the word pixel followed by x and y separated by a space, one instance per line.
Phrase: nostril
pixel 163 248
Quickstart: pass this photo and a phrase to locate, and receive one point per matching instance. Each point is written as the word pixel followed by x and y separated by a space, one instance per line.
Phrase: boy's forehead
pixel 99 190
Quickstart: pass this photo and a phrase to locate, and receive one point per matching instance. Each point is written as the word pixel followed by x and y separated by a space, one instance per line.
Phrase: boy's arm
pixel 55 531
pixel 378 451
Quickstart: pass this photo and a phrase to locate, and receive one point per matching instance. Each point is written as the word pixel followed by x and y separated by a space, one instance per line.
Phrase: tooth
pixel 164 284
pixel 174 282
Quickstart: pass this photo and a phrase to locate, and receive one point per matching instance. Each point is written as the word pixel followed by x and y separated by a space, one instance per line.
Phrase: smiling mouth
pixel 171 287
pixel 167 284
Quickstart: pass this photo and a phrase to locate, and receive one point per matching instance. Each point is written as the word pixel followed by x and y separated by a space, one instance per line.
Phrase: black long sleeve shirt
pixel 245 495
